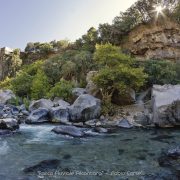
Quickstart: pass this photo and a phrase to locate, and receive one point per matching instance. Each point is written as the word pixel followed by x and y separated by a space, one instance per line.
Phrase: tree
pixel 110 56
pixel 62 89
pixel 117 72
pixel 21 84
pixel 88 41
pixel 40 85
pixel 46 48
pixel 53 68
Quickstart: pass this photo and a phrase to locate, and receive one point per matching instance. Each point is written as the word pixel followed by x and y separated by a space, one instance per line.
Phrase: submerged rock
pixel 166 105
pixel 41 103
pixel 69 130
pixel 171 159
pixel 5 132
pixel 9 123
pixel 85 107
pixel 43 166
pixel 38 116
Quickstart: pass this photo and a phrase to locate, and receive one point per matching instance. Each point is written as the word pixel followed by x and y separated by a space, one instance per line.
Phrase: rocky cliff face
pixel 155 42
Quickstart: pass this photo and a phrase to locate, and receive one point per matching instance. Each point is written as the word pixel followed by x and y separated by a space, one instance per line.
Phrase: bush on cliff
pixel 161 72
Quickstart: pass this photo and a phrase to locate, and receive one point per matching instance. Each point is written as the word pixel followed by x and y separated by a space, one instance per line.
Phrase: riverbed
pixel 123 154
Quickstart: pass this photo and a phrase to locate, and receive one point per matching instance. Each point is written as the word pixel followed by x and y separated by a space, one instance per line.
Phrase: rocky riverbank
pixel 84 117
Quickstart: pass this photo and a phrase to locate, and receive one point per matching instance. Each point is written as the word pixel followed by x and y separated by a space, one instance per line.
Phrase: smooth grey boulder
pixel 124 123
pixel 85 107
pixel 41 103
pixel 166 105
pixel 78 91
pixel 69 130
pixel 9 123
pixel 40 115
pixel 6 95
pixel 59 102
pixel 59 114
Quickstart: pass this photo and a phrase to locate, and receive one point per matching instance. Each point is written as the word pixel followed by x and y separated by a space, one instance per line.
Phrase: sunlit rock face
pixel 155 41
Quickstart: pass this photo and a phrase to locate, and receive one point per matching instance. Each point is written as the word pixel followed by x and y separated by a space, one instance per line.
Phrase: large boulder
pixel 40 115
pixel 41 103
pixel 69 130
pixel 9 123
pixel 59 114
pixel 86 107
pixel 166 105
pixel 5 96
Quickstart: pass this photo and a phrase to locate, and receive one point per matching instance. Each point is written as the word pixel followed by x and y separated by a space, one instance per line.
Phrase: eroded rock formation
pixel 155 42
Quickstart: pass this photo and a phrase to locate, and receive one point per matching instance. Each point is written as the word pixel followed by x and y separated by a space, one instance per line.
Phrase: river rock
pixel 85 107
pixel 40 115
pixel 41 103
pixel 6 95
pixel 44 166
pixel 166 105
pixel 4 132
pixel 9 123
pixel 69 130
pixel 171 159
pixel 124 123
pixel 100 130
pixel 59 114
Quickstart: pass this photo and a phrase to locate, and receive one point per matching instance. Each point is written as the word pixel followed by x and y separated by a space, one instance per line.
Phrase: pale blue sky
pixel 23 21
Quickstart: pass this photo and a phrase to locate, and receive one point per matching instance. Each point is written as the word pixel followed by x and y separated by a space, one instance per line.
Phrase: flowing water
pixel 125 154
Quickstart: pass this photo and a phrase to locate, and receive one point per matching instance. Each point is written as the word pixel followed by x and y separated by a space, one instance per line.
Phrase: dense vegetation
pixel 53 69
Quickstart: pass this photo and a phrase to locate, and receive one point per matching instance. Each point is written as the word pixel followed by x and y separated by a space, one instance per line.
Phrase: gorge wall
pixel 155 41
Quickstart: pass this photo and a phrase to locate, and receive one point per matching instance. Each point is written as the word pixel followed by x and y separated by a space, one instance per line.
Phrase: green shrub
pixel 21 84
pixel 40 85
pixel 62 89
pixel 6 84
pixel 26 102
pixel 160 72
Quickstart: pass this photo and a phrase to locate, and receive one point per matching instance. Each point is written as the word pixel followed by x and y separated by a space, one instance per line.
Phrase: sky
pixel 24 21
